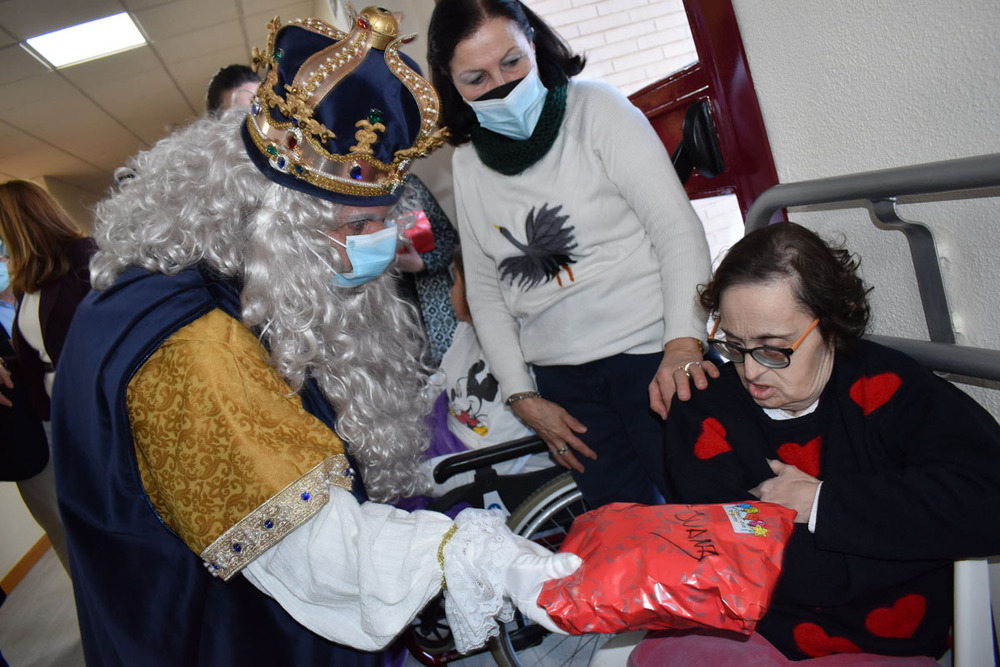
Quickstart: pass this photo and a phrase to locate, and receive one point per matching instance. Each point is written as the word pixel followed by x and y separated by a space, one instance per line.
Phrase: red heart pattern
pixel 871 393
pixel 712 440
pixel 814 642
pixel 804 457
pixel 900 620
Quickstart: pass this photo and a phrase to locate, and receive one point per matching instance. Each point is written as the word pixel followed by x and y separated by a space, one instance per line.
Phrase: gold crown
pixel 308 93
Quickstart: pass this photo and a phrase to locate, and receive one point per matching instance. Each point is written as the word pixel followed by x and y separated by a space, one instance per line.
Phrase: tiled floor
pixel 38 626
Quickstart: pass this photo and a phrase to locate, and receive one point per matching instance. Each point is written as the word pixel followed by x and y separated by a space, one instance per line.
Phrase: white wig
pixel 197 197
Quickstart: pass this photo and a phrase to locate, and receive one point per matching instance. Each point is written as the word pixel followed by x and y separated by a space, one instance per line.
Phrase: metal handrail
pixel 971 173
pixel 974 362
pixel 881 188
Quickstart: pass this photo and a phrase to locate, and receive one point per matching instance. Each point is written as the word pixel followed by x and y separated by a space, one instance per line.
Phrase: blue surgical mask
pixel 370 255
pixel 516 114
pixel 4 277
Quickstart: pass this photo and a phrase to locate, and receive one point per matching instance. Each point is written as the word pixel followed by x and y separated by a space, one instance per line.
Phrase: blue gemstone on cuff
pixel 306 496
pixel 237 548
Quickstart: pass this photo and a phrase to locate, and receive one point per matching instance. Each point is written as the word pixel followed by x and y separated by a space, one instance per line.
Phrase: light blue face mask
pixel 370 255
pixel 4 276
pixel 516 114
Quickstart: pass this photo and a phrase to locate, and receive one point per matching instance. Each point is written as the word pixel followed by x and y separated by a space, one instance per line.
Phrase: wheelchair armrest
pixel 487 456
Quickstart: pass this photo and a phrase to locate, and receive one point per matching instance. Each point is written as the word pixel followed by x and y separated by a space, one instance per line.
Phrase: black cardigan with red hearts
pixel 911 481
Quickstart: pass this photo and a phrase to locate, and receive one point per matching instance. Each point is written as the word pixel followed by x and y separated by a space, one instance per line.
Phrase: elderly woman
pixel 893 472
pixel 581 248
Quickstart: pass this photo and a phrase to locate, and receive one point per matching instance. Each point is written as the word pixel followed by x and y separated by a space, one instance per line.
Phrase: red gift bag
pixel 658 567
pixel 420 234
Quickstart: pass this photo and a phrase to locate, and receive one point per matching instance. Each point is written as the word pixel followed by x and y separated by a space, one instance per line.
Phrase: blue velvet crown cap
pixel 340 115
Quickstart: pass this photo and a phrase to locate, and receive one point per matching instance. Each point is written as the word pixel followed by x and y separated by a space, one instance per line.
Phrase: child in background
pixel 469 412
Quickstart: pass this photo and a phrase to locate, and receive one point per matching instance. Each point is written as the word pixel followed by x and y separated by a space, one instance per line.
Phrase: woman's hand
pixel 557 428
pixel 791 488
pixel 409 260
pixel 682 363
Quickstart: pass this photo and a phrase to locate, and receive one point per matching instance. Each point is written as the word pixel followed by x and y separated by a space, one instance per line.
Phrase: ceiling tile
pixel 184 16
pixel 16 64
pixel 40 91
pixel 196 44
pixel 286 10
pixel 146 104
pixel 137 5
pixel 114 69
pixel 30 18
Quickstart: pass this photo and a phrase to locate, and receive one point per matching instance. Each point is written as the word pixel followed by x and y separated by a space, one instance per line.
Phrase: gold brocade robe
pixel 229 457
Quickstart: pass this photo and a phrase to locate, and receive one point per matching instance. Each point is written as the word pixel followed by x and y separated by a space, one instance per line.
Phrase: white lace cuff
pixel 475 560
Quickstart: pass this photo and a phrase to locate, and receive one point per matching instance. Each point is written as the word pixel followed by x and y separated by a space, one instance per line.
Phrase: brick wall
pixel 629 43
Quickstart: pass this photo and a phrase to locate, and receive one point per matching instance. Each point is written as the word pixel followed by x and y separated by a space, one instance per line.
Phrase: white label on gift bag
pixel 745 518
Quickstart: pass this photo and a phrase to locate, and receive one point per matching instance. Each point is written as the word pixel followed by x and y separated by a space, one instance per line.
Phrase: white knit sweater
pixel 640 252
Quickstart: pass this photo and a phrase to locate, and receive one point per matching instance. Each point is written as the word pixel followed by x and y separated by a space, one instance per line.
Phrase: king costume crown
pixel 340 115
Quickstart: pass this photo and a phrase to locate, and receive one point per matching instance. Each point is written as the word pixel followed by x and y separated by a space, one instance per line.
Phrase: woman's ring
pixel 562 450
pixel 684 369
pixel 690 363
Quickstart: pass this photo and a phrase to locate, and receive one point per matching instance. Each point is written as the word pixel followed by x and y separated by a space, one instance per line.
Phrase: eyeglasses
pixel 765 355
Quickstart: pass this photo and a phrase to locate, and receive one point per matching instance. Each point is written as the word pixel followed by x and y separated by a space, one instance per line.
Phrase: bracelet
pixel 701 345
pixel 520 396
pixel 447 538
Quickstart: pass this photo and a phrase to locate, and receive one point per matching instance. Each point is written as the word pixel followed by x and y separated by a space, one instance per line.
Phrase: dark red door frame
pixel 721 76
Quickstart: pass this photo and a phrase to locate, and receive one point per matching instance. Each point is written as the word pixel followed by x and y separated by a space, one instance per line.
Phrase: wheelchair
pixel 542 506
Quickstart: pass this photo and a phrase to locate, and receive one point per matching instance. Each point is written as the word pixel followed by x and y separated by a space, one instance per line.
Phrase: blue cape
pixel 143 597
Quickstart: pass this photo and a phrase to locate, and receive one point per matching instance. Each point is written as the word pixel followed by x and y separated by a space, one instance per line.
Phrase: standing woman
pixel 582 250
pixel 49 272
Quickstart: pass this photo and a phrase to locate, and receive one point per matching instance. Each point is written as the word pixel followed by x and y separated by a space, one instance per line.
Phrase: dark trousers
pixel 611 398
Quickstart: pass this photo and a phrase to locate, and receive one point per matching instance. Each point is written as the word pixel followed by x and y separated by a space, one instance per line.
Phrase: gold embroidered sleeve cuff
pixel 273 520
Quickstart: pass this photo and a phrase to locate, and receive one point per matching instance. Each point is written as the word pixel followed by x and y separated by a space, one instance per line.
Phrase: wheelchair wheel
pixel 545 517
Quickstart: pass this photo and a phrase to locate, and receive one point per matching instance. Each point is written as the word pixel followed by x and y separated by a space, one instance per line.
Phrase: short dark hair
pixel 825 277
pixel 227 78
pixel 454 20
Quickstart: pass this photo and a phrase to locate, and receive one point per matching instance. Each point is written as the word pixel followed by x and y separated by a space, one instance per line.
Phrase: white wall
pixel 852 86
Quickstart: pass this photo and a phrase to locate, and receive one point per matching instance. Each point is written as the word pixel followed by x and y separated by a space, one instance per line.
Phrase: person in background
pixel 48 264
pixel 424 279
pixel 24 449
pixel 582 250
pixel 893 472
pixel 241 395
pixel 233 85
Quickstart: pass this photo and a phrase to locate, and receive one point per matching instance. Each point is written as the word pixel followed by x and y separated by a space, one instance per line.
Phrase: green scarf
pixel 512 156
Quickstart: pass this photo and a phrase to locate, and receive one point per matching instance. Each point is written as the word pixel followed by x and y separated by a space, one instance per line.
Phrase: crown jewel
pixel 340 115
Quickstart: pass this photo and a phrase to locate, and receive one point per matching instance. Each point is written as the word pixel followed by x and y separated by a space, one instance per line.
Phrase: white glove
pixel 484 565
pixel 532 567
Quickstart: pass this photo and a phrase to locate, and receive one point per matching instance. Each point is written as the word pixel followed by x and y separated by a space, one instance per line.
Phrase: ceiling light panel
pixel 87 41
